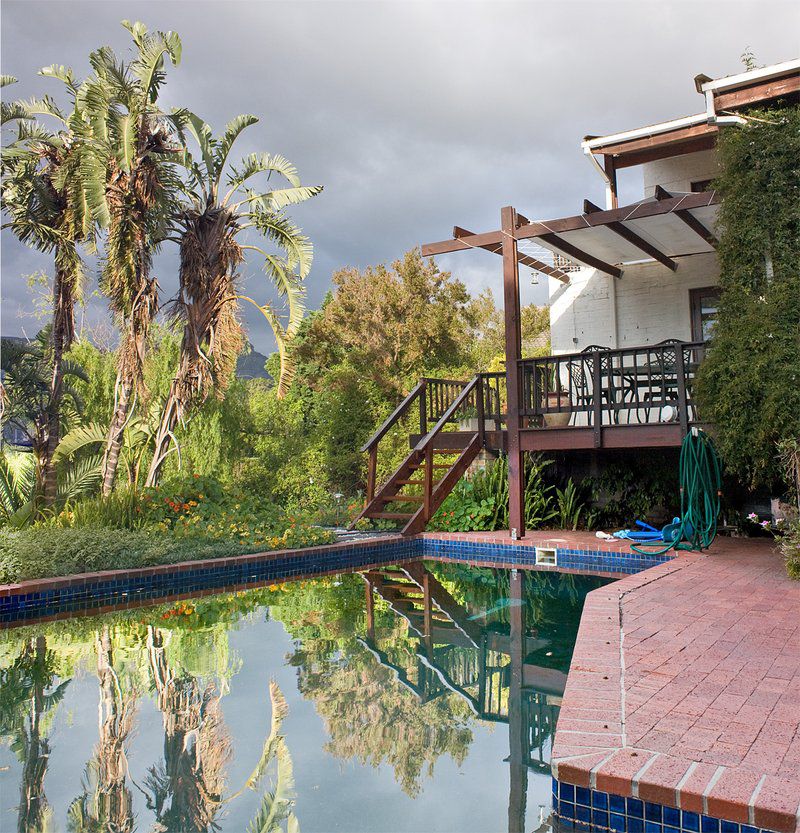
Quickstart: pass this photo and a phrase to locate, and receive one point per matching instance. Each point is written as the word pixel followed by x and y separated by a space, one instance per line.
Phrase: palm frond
pixel 288 367
pixel 268 163
pixel 61 73
pixel 284 233
pixel 17 481
pixel 205 140
pixel 232 131
pixel 6 80
pixel 148 67
pixel 82 478
pixel 79 438
pixel 281 197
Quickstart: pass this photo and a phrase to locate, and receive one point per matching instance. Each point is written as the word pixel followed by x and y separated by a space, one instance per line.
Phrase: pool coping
pixel 591 752
pixel 58 597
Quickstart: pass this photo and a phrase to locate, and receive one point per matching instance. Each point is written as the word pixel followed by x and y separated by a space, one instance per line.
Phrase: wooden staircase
pixel 423 480
pixel 415 595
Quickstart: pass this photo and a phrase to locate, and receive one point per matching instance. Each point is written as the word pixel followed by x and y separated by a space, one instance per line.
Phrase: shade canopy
pixel 661 228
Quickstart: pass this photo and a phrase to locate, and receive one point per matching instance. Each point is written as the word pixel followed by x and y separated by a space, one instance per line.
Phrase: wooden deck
pixel 634 398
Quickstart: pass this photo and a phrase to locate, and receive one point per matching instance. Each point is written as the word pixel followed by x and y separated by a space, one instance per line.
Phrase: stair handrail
pixel 447 416
pixel 394 417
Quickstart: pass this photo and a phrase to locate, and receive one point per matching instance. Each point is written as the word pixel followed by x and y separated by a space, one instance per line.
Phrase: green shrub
pixel 42 551
pixel 480 502
pixel 790 547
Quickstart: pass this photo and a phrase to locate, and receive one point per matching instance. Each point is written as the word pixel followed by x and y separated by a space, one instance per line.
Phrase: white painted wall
pixel 679 172
pixel 652 303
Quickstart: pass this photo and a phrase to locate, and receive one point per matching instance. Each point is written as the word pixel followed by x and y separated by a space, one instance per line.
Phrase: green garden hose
pixel 701 484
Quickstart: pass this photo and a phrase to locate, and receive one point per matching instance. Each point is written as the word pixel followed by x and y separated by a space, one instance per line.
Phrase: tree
pixel 27 395
pixel 391 323
pixel 209 226
pixel 749 384
pixel 44 196
pixel 131 185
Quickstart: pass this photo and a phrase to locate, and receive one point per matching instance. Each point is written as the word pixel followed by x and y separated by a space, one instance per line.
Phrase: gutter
pixel 711 117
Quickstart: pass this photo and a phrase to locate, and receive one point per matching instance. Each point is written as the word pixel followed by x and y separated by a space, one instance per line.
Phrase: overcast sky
pixel 415 116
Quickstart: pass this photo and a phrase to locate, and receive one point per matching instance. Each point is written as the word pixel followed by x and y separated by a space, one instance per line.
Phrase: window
pixel 703 304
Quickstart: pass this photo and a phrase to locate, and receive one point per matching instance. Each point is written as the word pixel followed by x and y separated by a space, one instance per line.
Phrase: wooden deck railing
pixel 599 387
pixel 441 402
pixel 594 388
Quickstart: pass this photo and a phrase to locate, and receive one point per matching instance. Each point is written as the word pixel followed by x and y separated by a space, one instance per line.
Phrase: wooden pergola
pixel 660 228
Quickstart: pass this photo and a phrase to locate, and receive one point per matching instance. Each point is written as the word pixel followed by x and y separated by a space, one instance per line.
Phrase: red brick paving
pixel 694 665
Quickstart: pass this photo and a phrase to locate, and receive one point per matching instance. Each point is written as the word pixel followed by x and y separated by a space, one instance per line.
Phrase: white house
pixel 651 300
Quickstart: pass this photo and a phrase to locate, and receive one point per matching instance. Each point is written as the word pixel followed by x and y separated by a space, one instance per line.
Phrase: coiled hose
pixel 701 485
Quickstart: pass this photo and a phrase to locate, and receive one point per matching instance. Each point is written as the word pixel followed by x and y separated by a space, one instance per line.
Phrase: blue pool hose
pixel 701 487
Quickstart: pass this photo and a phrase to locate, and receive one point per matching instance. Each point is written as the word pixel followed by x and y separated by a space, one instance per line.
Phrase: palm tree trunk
pixel 114 441
pixel 63 336
pixel 164 436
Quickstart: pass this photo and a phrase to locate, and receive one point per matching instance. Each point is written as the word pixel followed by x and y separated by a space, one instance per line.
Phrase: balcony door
pixel 704 304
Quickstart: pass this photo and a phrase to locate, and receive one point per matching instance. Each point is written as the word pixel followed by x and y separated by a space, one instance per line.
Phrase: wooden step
pixel 433 466
pixel 409 482
pixel 395 585
pixel 401 498
pixel 392 516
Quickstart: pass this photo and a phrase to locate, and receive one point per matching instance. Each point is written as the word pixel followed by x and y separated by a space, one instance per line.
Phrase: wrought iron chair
pixel 581 380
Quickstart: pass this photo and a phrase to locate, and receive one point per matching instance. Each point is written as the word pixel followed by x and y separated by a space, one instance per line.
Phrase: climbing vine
pixel 749 385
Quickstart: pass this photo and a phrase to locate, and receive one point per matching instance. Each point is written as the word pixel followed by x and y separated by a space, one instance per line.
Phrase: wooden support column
pixel 612 201
pixel 517 736
pixel 516 486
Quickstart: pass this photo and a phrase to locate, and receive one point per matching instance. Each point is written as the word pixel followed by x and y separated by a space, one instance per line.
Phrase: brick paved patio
pixel 684 688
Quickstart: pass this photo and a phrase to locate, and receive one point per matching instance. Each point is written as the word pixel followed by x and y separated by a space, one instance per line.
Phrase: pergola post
pixel 513 331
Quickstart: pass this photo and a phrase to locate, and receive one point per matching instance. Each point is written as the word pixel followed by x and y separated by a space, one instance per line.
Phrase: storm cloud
pixel 415 116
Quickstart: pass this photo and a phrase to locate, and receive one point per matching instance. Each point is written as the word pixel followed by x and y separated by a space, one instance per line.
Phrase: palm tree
pixel 27 370
pixel 209 227
pixel 43 196
pixel 130 186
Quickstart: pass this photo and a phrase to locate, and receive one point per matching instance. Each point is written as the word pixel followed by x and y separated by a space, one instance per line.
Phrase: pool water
pixel 420 697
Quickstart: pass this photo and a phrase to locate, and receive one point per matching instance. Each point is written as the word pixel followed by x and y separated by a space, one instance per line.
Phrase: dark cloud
pixel 413 115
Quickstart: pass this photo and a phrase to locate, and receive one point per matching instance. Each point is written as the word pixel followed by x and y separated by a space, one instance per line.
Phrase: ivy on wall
pixel 749 385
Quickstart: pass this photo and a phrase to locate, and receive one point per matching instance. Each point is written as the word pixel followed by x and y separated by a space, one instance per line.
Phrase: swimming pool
pixel 416 697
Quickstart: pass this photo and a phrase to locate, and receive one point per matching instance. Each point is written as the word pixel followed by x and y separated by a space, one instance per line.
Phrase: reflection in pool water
pixel 412 698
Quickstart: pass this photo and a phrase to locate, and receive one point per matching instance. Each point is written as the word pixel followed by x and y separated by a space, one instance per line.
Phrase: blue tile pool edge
pixel 64 596
pixel 585 809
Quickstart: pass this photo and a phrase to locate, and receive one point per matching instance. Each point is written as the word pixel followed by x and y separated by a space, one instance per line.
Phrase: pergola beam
pixel 662 195
pixel 633 238
pixel 476 241
pixel 523 259
pixel 581 256
pixel 603 218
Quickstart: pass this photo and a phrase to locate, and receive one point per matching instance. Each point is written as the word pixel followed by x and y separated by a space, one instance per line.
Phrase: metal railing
pixel 598 387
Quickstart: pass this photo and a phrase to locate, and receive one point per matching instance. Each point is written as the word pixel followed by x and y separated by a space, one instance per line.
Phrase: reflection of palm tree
pixel 276 804
pixel 186 788
pixel 24 706
pixel 111 811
